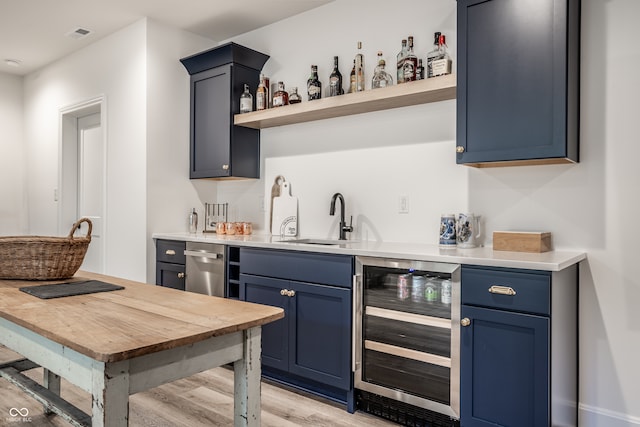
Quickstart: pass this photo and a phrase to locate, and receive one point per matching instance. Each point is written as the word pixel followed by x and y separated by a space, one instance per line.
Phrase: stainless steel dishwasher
pixel 205 268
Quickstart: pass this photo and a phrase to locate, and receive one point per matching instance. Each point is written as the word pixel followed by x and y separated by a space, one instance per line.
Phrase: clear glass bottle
pixel 335 80
pixel 359 69
pixel 246 101
pixel 400 62
pixel 294 96
pixel 438 60
pixel 314 86
pixel 262 98
pixel 410 63
pixel 352 78
pixel 280 96
pixel 380 77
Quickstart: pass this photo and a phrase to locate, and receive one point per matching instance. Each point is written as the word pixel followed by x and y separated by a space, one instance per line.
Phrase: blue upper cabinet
pixel 518 82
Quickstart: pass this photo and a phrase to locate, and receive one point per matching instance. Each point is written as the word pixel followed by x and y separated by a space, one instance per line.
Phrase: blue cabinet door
pixel 275 335
pixel 504 369
pixel 517 80
pixel 320 344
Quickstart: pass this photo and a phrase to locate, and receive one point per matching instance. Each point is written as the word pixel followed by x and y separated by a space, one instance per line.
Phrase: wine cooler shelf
pixel 406 94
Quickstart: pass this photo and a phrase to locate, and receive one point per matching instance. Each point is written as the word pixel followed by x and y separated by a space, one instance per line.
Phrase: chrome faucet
pixel 344 228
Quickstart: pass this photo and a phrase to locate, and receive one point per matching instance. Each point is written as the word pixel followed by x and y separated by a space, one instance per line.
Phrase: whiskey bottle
pixel 262 97
pixel 352 78
pixel 314 86
pixel 410 63
pixel 420 70
pixel 280 97
pixel 246 101
pixel 359 69
pixel 335 80
pixel 294 96
pixel 380 77
pixel 438 60
pixel 400 62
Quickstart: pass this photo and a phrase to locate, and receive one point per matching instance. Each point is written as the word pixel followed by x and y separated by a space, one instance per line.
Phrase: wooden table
pixel 114 344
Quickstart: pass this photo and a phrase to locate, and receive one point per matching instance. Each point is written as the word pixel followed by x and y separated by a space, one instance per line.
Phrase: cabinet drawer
pixel 326 269
pixel 170 275
pixel 507 289
pixel 170 251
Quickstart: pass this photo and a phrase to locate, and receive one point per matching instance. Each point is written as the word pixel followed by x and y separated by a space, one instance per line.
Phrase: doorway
pixel 82 186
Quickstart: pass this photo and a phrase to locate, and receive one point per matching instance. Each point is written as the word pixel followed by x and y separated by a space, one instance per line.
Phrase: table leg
pixel 110 395
pixel 247 381
pixel 50 381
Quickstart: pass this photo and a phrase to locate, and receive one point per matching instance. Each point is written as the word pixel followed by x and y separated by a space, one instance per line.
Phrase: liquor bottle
pixel 294 96
pixel 438 60
pixel 280 97
pixel 420 70
pixel 314 86
pixel 380 77
pixel 335 80
pixel 359 69
pixel 410 63
pixel 352 78
pixel 246 101
pixel 400 62
pixel 262 98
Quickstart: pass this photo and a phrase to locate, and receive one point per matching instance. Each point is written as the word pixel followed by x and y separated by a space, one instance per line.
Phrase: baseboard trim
pixel 592 416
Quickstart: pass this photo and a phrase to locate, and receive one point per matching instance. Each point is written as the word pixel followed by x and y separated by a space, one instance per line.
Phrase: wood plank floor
pixel 202 400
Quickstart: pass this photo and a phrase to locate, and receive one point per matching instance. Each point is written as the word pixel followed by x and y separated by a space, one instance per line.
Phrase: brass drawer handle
pixel 502 290
pixel 180 275
pixel 465 322
pixel 170 252
pixel 283 292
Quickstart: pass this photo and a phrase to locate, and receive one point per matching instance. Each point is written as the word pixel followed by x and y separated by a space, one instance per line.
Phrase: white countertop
pixel 550 261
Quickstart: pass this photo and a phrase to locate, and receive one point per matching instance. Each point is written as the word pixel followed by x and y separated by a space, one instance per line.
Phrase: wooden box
pixel 521 241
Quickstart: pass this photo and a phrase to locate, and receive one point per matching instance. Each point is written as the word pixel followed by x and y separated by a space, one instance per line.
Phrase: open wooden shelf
pixel 413 93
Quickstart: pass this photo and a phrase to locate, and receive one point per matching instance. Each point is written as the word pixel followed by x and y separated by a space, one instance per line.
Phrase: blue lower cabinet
pixel 504 369
pixel 310 348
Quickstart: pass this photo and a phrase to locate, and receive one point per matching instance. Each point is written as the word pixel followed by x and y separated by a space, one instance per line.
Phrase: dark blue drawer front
pixel 327 269
pixel 170 251
pixel 532 289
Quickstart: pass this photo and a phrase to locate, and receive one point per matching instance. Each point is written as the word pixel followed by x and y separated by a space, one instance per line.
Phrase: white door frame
pixel 68 164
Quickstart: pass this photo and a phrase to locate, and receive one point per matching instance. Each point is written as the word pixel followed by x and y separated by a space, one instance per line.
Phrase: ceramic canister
pixel 448 230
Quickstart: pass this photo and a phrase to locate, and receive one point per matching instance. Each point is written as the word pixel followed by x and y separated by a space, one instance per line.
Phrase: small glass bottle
pixel 335 80
pixel 400 63
pixel 294 97
pixel 280 97
pixel 380 77
pixel 410 63
pixel 246 101
pixel 359 69
pixel 262 99
pixel 314 86
pixel 420 70
pixel 193 221
pixel 352 78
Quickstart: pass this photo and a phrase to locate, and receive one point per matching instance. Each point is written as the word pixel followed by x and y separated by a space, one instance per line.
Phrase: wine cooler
pixel 407 339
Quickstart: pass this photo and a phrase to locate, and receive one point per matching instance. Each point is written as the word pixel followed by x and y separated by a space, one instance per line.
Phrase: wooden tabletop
pixel 137 320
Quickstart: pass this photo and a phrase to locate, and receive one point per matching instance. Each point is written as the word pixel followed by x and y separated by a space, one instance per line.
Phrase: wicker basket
pixel 43 258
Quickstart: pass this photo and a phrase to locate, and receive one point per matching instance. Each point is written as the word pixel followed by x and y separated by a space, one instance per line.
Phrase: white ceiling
pixel 34 32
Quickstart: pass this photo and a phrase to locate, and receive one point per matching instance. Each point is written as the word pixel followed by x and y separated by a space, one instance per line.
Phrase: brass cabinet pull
pixel 459 149
pixel 283 292
pixel 291 293
pixel 502 290
pixel 180 275
pixel 287 293
pixel 170 252
pixel 225 167
pixel 465 321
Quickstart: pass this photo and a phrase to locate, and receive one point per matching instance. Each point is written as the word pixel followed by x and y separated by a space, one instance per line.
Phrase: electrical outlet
pixel 403 204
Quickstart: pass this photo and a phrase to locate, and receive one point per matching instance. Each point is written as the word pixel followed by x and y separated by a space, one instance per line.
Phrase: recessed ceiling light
pixel 78 33
pixel 12 62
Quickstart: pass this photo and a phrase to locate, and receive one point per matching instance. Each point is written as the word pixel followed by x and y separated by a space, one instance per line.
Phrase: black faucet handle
pixel 349 228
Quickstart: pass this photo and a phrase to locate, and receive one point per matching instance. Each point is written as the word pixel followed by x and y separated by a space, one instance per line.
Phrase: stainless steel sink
pixel 319 241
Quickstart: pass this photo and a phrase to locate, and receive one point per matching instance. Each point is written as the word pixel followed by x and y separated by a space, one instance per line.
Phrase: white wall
pixel 13 207
pixel 373 158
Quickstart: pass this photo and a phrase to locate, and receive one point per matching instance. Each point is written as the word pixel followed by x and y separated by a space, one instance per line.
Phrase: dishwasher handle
pixel 200 254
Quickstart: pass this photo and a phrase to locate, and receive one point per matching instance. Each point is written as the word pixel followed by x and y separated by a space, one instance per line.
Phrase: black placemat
pixel 58 290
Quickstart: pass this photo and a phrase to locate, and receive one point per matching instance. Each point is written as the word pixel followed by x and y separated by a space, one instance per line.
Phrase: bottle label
pixel 313 90
pixel 245 105
pixel 278 101
pixel 409 71
pixel 261 101
pixel 441 67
